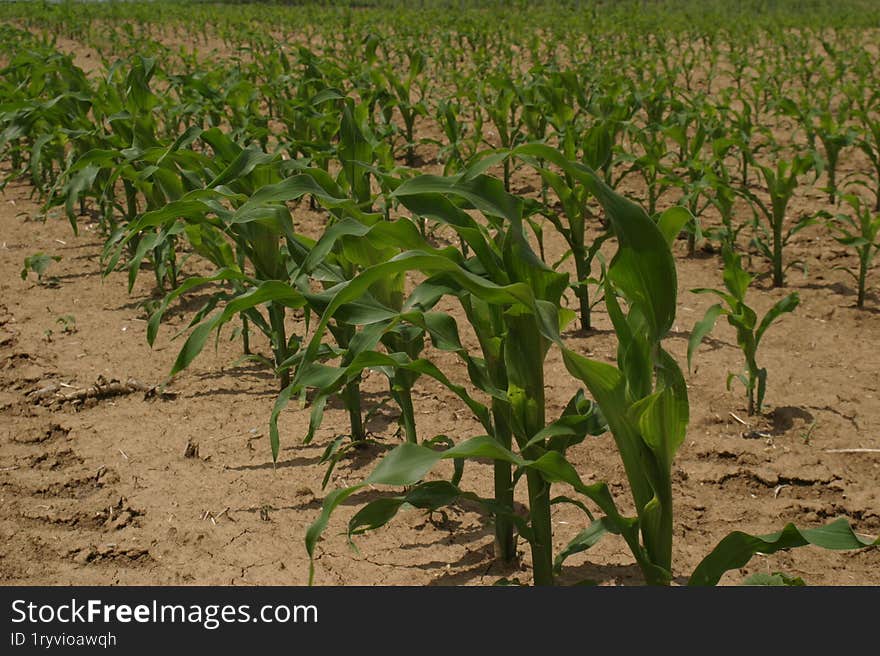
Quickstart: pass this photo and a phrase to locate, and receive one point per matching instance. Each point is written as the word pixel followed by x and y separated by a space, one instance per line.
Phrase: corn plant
pixel 781 184
pixel 258 225
pixel 690 132
pixel 534 321
pixel 651 164
pixel 612 108
pixel 363 241
pixel 744 319
pixel 461 141
pixel 868 142
pixel 860 230
pixel 512 308
pixel 572 223
pixel 835 135
pixel 305 107
pixel 722 192
pixel 409 108
pixel 44 117
pixel 499 95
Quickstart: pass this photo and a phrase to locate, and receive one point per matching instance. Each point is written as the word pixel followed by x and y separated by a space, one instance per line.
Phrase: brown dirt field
pixel 102 493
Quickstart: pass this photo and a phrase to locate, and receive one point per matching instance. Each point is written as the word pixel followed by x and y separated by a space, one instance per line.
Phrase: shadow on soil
pixel 783 418
pixel 593 574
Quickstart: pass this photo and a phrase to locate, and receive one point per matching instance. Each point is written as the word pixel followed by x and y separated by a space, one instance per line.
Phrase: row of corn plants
pixel 181 165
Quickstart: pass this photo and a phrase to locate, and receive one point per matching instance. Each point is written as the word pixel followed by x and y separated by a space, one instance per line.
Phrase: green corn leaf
pixel 673 221
pixel 313 533
pixel 583 541
pixel 787 304
pixel 427 496
pixel 572 427
pixel 401 234
pixel 375 514
pixel 223 146
pixel 406 464
pixel 703 328
pixel 280 403
pixel 79 183
pixel 776 579
pixel 244 163
pixel 481 192
pixel 633 349
pixel 737 549
pixel 608 387
pixel 436 206
pixel 736 279
pixel 268 291
pixel 662 420
pixel 296 187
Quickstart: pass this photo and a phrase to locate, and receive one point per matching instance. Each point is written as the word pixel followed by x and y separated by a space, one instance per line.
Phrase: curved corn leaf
pixel 583 541
pixel 673 221
pixel 268 291
pixel 786 304
pixel 737 549
pixel 703 328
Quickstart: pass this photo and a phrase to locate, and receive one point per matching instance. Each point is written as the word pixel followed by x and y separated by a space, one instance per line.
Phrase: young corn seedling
pixel 572 223
pixel 723 192
pixel 461 142
pixel 744 319
pixel 869 142
pixel 499 94
pixel 741 129
pixel 835 135
pixel 860 230
pixel 781 184
pixel 651 164
pixel 409 108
